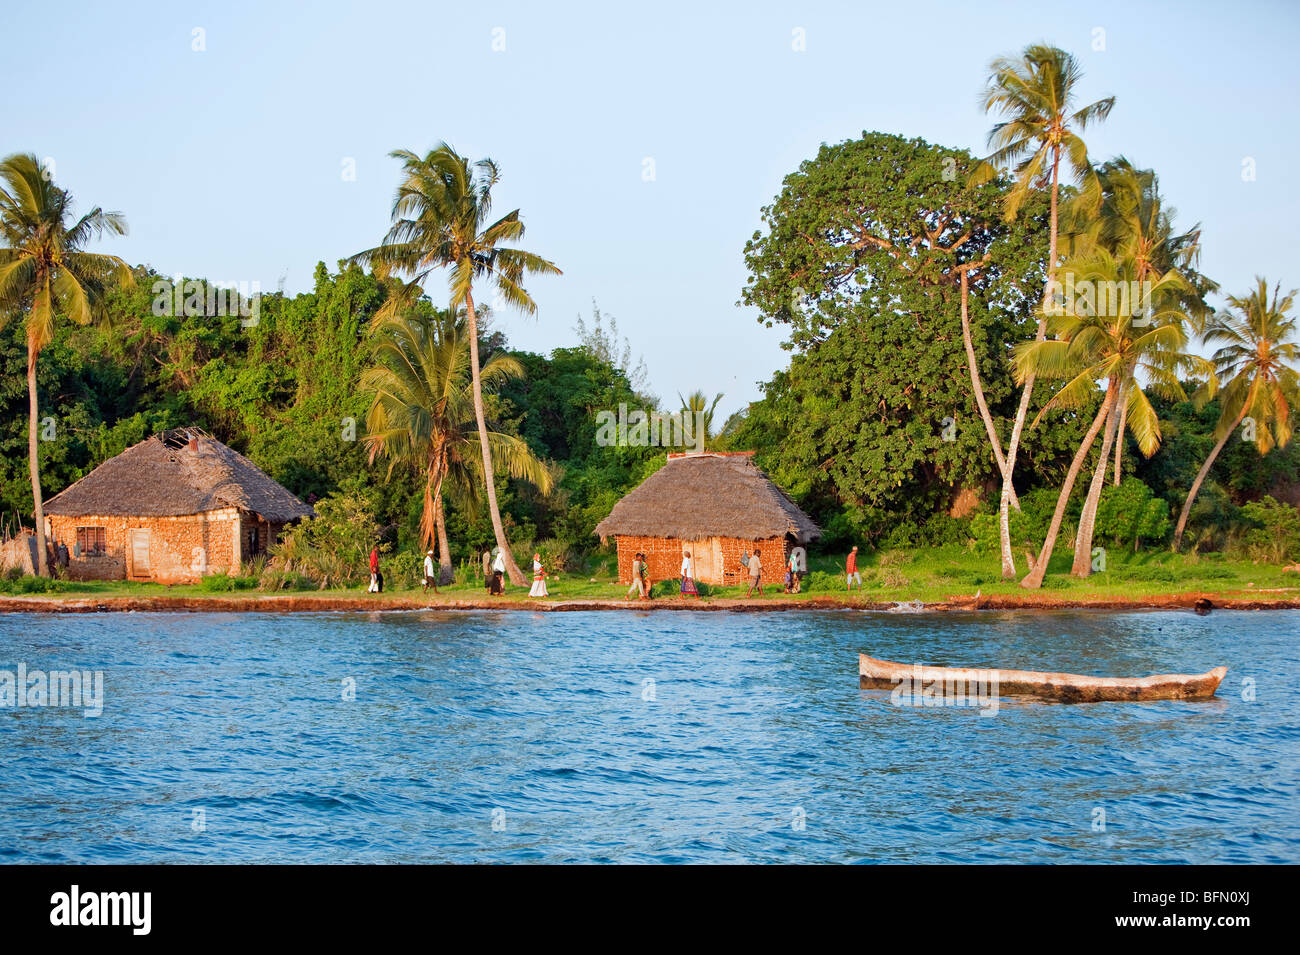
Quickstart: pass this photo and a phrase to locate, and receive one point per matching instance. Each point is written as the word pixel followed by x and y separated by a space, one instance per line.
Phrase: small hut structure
pixel 173 508
pixel 717 505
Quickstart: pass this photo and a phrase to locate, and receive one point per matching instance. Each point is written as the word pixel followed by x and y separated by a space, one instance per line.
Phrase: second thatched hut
pixel 717 505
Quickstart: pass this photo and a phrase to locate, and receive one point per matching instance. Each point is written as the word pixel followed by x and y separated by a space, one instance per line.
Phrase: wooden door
pixel 707 555
pixel 139 552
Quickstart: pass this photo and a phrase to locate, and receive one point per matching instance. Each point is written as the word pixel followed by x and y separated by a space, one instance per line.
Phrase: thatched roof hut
pixel 715 504
pixel 173 508
pixel 173 473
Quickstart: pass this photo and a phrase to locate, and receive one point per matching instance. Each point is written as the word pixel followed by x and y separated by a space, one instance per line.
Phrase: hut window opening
pixel 92 541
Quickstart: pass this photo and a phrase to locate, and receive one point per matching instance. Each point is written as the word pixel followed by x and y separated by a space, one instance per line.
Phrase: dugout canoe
pixel 876 674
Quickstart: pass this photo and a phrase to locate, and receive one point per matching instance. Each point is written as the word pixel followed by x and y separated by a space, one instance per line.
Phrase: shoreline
pixel 306 603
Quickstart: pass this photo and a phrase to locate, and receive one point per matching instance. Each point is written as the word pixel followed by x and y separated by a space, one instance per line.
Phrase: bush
pixel 330 549
pixel 1028 526
pixel 821 580
pixel 1273 533
pixel 1131 513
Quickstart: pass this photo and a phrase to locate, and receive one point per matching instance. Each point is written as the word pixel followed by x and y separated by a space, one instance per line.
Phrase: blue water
pixel 518 737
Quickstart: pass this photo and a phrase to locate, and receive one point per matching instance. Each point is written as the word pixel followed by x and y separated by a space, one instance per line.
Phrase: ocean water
pixel 643 737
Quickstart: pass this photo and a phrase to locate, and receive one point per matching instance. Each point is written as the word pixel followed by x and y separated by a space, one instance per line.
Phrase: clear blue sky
pixel 228 162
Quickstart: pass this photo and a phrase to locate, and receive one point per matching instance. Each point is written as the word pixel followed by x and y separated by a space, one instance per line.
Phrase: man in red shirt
pixel 376 580
pixel 851 570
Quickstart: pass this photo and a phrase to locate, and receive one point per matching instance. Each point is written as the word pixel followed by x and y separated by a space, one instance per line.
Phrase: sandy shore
pixel 291 603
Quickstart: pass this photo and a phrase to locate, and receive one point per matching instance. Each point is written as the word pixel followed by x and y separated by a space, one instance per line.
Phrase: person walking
pixel 539 578
pixel 792 574
pixel 374 570
pixel 430 573
pixel 800 556
pixel 688 576
pixel 755 573
pixel 487 571
pixel 851 570
pixel 645 578
pixel 498 573
pixel 637 576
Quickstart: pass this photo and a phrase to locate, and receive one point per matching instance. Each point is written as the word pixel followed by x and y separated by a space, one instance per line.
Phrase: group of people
pixel 796 568
pixel 494 572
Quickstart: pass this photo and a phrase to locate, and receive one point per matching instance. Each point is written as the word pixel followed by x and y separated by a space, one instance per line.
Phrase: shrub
pixel 1131 513
pixel 216 583
pixel 821 580
pixel 331 548
pixel 1274 531
pixel 891 577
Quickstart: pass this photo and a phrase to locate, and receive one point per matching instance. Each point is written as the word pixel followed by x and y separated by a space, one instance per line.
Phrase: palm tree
pixel 1258 361
pixel 1134 221
pixel 1144 334
pixel 422 413
pixel 441 220
pixel 1035 92
pixel 46 273
pixel 696 408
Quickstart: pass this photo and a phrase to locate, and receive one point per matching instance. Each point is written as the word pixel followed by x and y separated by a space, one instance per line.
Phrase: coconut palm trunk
pixel 445 571
pixel 1034 579
pixel 1008 491
pixel 1099 473
pixel 1022 410
pixel 1201 476
pixel 516 575
pixel 1119 445
pixel 1088 516
pixel 33 463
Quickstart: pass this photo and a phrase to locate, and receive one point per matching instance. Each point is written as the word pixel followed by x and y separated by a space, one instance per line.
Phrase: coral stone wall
pixel 664 557
pixel 181 549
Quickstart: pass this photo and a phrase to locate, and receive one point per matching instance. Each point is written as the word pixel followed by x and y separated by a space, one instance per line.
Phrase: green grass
pixel 928 575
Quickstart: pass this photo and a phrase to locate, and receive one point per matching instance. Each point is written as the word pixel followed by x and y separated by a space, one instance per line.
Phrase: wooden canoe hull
pixel 1063 687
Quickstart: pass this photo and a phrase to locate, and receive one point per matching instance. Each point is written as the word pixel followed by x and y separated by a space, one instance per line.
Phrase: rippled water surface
pixel 642 737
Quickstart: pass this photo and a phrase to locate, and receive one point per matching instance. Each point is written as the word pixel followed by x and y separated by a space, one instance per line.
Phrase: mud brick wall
pixel 181 549
pixel 664 557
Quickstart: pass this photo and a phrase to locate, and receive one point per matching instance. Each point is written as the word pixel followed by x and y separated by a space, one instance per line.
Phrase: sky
pixel 246 142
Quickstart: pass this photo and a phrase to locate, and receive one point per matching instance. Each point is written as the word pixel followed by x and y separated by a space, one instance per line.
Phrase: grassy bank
pixel 932 576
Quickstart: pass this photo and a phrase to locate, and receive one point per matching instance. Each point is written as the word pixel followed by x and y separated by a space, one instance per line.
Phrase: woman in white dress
pixel 539 578
pixel 688 576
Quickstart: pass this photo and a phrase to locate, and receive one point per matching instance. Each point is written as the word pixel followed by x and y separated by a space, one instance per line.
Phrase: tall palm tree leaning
pixel 1133 219
pixel 441 220
pixel 1147 335
pixel 1258 362
pixel 422 413
pixel 1035 92
pixel 46 273
pixel 1133 224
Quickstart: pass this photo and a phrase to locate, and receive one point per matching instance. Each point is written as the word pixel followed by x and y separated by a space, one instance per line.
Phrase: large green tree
pixel 46 273
pixel 860 262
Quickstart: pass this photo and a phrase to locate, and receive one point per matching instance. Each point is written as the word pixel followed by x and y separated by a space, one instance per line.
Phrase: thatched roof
pixel 177 473
pixel 698 496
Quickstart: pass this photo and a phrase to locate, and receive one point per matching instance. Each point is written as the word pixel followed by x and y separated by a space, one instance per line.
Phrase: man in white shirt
pixel 430 573
pixel 755 574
